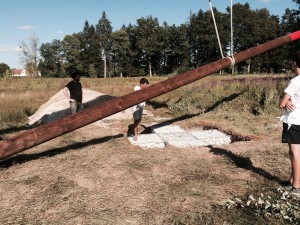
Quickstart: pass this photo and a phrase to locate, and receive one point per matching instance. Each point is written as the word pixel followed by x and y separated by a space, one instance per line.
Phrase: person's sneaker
pixel 295 191
pixel 129 135
pixel 286 185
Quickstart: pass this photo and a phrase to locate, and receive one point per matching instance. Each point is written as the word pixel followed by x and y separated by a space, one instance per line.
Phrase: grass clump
pixel 279 206
pixel 17 106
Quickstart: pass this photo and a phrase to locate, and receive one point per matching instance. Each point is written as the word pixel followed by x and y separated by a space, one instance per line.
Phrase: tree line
pixel 149 48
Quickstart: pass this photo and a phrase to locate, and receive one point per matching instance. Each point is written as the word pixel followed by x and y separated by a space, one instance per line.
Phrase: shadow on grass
pixel 12 130
pixel 157 105
pixel 23 158
pixel 229 98
pixel 177 119
pixel 244 163
pixel 226 99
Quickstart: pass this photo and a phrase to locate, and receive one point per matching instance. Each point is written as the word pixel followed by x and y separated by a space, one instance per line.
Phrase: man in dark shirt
pixel 73 92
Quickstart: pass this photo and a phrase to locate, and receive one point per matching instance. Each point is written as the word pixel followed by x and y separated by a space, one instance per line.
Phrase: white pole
pixel 231 35
pixel 104 61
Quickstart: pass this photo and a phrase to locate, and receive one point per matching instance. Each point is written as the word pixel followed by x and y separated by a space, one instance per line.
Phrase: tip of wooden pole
pixel 295 35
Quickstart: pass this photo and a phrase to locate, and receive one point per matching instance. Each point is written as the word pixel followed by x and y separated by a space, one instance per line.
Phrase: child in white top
pixel 291 124
pixel 138 109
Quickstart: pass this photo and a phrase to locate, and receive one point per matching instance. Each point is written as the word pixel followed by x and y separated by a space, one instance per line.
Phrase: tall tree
pixel 262 26
pixel 202 37
pixel 29 56
pixel 135 62
pixel 71 54
pixel 267 28
pixel 163 41
pixel 3 68
pixel 104 30
pixel 121 53
pixel 90 46
pixel 147 40
pixel 298 2
pixel 173 48
pixel 51 59
pixel 296 23
pixel 178 60
pixel 289 21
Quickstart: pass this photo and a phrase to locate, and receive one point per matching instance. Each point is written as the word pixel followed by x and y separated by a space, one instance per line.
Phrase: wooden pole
pixel 27 139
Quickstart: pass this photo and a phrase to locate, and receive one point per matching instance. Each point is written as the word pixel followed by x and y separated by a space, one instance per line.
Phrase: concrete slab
pixel 181 139
pixel 148 141
pixel 168 129
pixel 176 136
pixel 212 137
pixel 204 134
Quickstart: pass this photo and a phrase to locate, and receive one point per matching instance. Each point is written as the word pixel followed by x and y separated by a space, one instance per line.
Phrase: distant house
pixel 22 73
pixel 19 73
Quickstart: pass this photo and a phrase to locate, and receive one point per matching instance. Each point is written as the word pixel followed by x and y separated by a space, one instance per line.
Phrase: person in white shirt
pixel 291 124
pixel 138 109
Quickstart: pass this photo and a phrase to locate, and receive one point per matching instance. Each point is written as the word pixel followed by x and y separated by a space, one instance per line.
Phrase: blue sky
pixel 52 19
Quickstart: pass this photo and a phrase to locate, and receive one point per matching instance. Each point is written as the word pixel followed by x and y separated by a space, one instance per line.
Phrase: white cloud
pixel 26 27
pixel 266 1
pixel 59 32
pixel 9 49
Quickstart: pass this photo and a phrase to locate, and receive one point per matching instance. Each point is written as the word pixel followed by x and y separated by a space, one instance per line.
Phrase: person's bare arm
pixel 66 93
pixel 287 103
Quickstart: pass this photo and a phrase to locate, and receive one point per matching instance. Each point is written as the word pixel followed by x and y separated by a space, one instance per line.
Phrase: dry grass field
pixel 95 176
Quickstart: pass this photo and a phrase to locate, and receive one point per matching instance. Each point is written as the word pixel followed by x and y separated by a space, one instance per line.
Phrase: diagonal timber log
pixel 27 139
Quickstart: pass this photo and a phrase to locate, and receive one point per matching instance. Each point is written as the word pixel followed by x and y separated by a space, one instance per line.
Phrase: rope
pixel 232 60
pixel 213 16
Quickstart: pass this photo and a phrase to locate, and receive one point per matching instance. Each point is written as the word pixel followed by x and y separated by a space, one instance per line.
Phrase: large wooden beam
pixel 38 135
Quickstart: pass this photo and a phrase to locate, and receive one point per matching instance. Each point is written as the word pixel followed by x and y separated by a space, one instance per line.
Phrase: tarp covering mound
pixel 58 106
